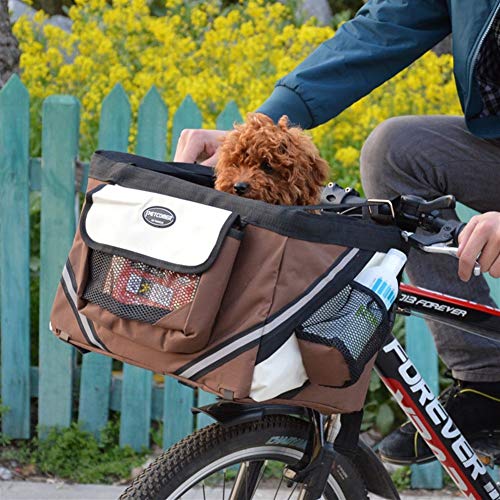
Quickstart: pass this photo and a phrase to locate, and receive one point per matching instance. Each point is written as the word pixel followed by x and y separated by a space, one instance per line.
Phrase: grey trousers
pixel 430 156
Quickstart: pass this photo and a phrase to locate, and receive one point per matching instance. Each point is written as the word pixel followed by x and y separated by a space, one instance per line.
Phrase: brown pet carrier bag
pixel 246 300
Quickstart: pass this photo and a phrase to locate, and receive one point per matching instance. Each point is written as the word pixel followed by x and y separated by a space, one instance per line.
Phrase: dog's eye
pixel 266 167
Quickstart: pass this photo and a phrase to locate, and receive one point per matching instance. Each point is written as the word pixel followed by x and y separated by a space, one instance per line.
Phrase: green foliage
pixel 341 17
pixel 3 439
pixel 35 218
pixel 18 451
pixel 76 455
pixel 381 411
pixel 3 408
pixel 53 7
pixel 351 6
pixel 156 433
pixel 402 478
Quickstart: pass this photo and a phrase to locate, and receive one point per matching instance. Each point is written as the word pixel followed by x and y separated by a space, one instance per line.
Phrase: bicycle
pixel 321 457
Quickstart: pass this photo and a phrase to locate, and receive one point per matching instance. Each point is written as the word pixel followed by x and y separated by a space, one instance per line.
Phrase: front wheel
pixel 240 462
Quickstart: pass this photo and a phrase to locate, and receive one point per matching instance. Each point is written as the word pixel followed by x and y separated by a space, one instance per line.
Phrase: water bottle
pixel 381 276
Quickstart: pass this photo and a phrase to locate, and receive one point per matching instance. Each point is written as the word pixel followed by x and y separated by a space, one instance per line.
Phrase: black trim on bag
pixel 286 328
pixel 272 342
pixel 81 350
pixel 75 311
pixel 192 172
pixel 130 312
pixel 302 225
pixel 71 274
pixel 293 392
pixel 237 234
pixel 227 230
pixel 77 317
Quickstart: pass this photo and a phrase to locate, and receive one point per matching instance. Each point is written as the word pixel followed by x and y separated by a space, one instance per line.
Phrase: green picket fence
pixel 61 375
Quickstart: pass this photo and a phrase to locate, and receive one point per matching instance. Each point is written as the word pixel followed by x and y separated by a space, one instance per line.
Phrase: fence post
pixel 225 121
pixel 229 116
pixel 187 116
pixel 152 126
pixel 59 149
pixel 178 398
pixel 95 380
pixel 137 382
pixel 15 258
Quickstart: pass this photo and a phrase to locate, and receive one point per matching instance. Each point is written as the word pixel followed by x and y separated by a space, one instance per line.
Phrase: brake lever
pixel 443 248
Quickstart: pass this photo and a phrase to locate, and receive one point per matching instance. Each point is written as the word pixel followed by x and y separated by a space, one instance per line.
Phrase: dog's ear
pixel 284 123
pixel 316 169
pixel 258 120
pixel 321 172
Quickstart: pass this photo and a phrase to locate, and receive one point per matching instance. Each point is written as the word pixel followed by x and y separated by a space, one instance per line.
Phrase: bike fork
pixel 315 466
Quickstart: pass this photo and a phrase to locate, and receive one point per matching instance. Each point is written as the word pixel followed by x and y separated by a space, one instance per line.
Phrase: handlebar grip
pixel 457 231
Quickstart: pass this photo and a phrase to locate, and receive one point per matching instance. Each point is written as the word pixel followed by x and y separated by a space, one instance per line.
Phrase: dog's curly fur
pixel 277 164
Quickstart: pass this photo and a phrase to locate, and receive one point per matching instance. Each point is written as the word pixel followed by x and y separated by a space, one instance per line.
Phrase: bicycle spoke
pixel 302 492
pixel 246 486
pixel 261 475
pixel 246 480
pixel 203 489
pixel 293 490
pixel 279 486
pixel 224 486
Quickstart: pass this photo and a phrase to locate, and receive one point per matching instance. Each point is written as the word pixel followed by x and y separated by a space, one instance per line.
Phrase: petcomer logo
pixel 158 216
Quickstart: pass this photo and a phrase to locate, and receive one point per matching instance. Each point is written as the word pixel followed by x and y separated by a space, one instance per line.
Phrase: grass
pixel 402 478
pixel 76 455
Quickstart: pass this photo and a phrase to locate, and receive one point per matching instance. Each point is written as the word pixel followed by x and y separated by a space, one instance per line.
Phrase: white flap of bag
pixel 167 229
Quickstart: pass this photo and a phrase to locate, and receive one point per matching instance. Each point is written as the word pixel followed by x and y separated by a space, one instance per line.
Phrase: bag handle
pixel 345 206
pixel 381 211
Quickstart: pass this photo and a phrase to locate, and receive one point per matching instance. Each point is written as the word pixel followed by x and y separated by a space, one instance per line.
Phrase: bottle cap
pixel 394 261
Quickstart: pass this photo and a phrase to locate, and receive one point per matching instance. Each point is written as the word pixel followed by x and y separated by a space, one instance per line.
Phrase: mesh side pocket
pixel 134 290
pixel 353 322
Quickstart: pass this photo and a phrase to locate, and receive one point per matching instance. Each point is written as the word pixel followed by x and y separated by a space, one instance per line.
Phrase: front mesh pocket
pixel 354 323
pixel 137 291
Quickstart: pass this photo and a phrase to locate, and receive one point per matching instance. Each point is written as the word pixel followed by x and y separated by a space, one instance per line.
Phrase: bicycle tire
pixel 276 435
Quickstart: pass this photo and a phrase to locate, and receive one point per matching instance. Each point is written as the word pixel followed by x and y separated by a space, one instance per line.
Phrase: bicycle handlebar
pixel 408 212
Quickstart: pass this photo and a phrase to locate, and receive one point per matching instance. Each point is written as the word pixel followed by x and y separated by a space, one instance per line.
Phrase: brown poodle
pixel 278 164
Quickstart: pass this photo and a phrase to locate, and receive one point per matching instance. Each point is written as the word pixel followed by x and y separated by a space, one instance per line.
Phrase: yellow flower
pixel 348 156
pixel 215 57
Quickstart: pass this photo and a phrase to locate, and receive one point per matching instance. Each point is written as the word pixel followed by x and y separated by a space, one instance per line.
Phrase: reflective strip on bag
pixel 86 326
pixel 227 351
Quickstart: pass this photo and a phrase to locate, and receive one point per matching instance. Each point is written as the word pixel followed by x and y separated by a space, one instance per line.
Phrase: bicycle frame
pixel 410 390
pixel 400 376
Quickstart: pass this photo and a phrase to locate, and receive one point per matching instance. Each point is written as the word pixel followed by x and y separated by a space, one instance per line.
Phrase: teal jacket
pixel 381 40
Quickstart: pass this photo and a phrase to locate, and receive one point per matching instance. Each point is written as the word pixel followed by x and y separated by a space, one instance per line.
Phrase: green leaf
pixel 385 418
pixel 374 382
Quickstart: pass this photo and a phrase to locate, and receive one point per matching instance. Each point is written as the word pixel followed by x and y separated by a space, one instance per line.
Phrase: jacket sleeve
pixel 382 39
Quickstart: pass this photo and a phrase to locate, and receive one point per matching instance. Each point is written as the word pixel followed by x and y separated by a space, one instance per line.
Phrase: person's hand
pixel 480 236
pixel 199 146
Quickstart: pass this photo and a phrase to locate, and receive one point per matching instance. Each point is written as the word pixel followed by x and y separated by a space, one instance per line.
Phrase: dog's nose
pixel 241 187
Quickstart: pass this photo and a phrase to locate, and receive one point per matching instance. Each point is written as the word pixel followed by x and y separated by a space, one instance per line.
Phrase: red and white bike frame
pixel 412 393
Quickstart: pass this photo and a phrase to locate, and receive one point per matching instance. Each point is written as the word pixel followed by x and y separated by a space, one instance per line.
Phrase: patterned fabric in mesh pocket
pixel 137 291
pixel 353 322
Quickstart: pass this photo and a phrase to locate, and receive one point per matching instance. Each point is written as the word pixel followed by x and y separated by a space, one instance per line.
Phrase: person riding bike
pixel 428 156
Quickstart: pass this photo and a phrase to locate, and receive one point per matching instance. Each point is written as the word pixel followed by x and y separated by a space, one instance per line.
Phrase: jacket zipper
pixel 478 48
